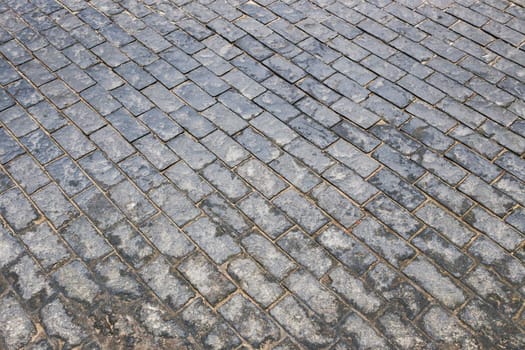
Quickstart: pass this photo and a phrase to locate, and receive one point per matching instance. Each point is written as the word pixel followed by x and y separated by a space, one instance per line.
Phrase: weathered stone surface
pixel 270 174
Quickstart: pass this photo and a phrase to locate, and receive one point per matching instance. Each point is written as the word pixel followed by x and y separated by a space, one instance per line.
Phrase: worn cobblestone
pixel 233 174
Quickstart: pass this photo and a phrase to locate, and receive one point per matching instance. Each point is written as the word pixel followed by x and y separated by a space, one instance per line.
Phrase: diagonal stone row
pixel 233 174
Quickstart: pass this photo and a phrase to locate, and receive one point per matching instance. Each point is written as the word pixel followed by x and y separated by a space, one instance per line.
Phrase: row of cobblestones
pixel 274 174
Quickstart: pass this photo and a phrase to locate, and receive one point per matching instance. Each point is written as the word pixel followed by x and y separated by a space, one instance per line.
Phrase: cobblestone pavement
pixel 231 174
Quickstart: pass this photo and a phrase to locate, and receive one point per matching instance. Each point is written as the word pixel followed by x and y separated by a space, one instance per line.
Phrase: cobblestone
pixel 272 174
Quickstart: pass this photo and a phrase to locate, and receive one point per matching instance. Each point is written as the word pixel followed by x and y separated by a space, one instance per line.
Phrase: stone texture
pixel 272 174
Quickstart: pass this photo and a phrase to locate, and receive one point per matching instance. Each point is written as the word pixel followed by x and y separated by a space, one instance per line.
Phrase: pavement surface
pixel 225 174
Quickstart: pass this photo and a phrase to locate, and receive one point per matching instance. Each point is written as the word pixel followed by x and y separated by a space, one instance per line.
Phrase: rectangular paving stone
pixel 25 93
pixel 301 210
pixel 101 169
pixel 55 206
pixel 224 118
pixel 272 127
pixel 129 243
pixel 494 228
pixel 59 93
pixel 486 284
pixel 306 252
pixel 41 146
pixel 399 163
pixel 162 98
pixel 444 194
pixel 68 176
pixel 170 287
pixel 428 135
pixel 191 152
pixel 161 124
pixel 354 112
pixel 219 245
pixel 111 55
pixel 240 312
pixel 112 143
pixel 155 151
pixel 84 239
pixel 225 214
pixel 313 88
pixel 188 180
pixel 387 244
pixel 391 92
pixel 225 148
pixel 174 203
pixel 309 154
pixel 164 72
pixel 270 219
pixel 207 327
pixel 288 310
pixel 408 336
pixel 98 208
pixel 225 181
pixel 251 67
pixel 434 282
pixel 194 96
pixel 268 255
pixel 132 99
pixel 192 121
pixel 259 176
pixel 27 173
pixel 168 239
pixel 127 125
pixel 246 86
pixel 350 183
pixel 353 158
pixel 313 131
pixel 394 216
pixel 254 281
pixel 239 104
pixel 257 144
pixel 485 194
pixel 443 252
pixel 354 291
pixel 84 117
pixel 346 249
pixel 295 172
pixel 335 204
pixel 315 295
pixel 16 209
pixel 212 61
pixel 132 203
pixel 276 106
pixel 75 77
pixel 356 136
pixel 104 76
pixel 454 230
pixel 101 100
pixel 9 148
pixel 473 162
pixel 208 280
